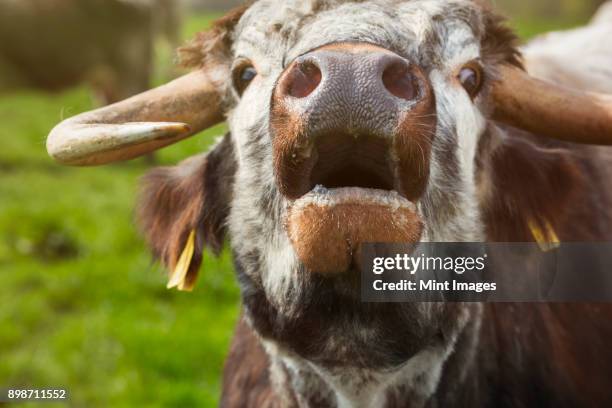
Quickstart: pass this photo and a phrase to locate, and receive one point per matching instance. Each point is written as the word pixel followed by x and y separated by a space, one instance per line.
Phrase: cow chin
pixel 328 226
pixel 331 327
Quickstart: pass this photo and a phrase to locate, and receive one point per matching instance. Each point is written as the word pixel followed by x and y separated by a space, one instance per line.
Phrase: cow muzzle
pixel 352 127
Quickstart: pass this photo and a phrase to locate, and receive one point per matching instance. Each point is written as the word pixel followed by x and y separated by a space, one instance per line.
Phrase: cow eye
pixel 243 75
pixel 470 78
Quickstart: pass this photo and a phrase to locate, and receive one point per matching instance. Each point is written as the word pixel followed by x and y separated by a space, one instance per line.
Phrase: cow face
pixel 353 122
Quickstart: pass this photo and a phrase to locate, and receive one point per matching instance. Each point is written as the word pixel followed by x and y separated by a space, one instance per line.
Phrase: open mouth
pixel 353 170
pixel 353 197
pixel 361 161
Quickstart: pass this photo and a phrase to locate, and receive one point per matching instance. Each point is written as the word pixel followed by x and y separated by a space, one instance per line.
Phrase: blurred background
pixel 82 304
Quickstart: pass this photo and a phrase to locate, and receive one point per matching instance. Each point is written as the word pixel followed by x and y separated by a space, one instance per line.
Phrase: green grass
pixel 529 27
pixel 83 306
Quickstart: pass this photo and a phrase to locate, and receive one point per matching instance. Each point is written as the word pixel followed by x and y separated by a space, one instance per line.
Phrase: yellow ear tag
pixel 547 239
pixel 179 275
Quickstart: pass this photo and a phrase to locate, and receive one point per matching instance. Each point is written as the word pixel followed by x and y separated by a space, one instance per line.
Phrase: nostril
pixel 398 80
pixel 304 78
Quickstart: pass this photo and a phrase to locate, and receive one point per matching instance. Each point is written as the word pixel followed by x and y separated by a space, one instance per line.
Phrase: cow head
pixel 351 122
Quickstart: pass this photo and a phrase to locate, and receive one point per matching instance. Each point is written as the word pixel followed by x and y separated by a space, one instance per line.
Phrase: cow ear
pixel 527 186
pixel 182 209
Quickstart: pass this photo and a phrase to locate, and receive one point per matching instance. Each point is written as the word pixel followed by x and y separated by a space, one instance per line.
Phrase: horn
pixel 138 125
pixel 551 110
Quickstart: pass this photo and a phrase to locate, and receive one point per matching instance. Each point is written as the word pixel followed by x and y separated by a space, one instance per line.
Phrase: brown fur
pixel 194 195
pixel 529 183
pixel 412 145
pixel 291 161
pixel 500 43
pixel 213 45
pixel 246 380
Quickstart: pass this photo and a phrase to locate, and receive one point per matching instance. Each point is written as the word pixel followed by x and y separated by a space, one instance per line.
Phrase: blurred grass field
pixel 83 306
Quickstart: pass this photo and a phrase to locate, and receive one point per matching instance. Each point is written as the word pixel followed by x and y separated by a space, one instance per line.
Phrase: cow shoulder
pixel 550 366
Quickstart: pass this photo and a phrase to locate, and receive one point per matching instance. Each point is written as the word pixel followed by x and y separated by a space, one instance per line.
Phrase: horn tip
pixel 80 144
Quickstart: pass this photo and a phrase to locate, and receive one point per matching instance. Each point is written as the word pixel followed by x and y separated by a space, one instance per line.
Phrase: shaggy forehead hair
pixel 417 28
pixel 283 29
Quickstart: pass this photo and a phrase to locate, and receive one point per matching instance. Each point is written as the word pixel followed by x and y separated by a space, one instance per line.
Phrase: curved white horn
pixel 551 110
pixel 138 125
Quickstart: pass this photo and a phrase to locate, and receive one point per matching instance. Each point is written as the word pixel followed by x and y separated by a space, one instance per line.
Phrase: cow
pixel 55 44
pixel 371 121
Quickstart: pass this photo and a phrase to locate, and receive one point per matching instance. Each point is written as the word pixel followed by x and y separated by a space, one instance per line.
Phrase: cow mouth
pixel 351 195
pixel 362 161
